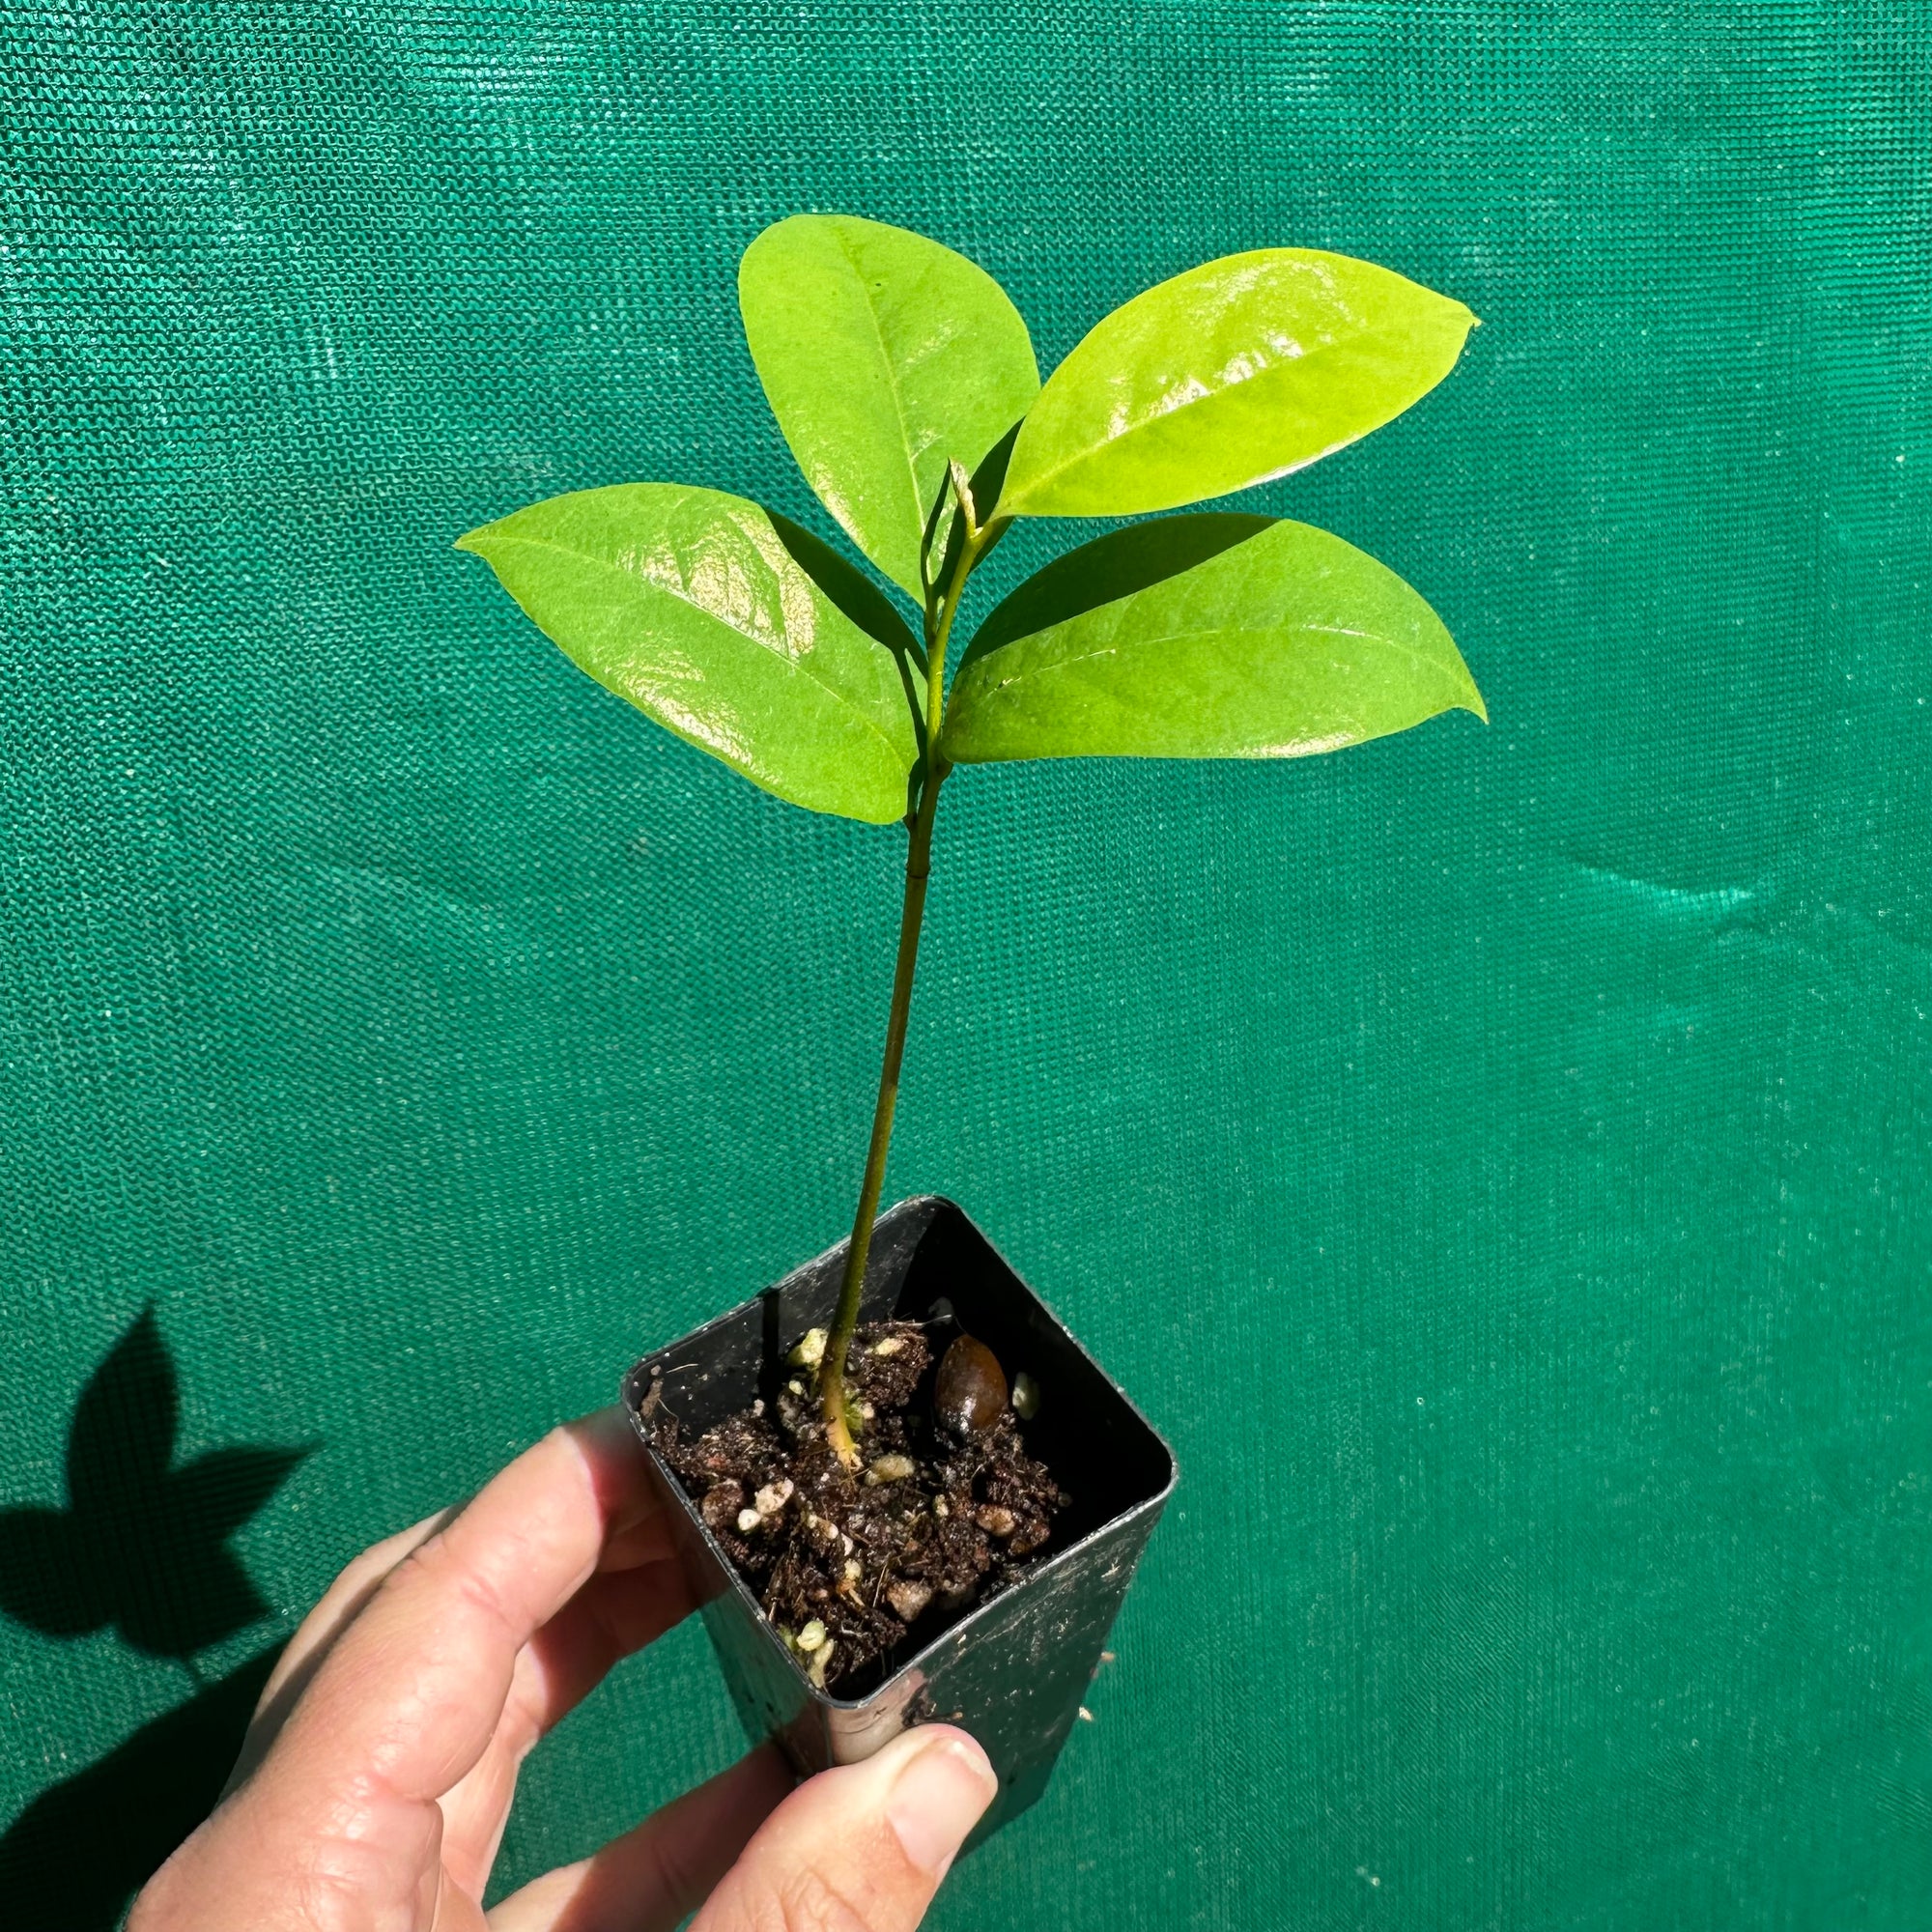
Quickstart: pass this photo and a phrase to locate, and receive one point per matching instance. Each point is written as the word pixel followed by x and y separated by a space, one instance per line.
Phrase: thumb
pixel 861 1849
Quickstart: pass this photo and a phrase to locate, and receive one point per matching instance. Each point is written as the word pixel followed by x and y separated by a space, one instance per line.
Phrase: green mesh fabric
pixel 1497 1158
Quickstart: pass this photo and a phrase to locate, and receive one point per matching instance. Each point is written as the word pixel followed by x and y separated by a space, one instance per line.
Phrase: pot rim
pixel 632 1399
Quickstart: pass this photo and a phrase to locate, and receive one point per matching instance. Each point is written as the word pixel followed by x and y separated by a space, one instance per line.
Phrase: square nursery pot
pixel 1014 1669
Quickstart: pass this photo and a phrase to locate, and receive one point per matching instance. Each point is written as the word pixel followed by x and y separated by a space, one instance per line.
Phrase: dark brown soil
pixel 939 1518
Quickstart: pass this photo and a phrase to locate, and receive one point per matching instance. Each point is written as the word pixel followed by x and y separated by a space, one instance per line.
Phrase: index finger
pixel 409 1697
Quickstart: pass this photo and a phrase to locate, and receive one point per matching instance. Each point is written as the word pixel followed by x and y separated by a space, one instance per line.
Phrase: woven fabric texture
pixel 1497 1158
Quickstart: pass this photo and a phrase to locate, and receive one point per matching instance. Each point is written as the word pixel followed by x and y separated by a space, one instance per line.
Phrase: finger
pixel 610 1618
pixel 648 1880
pixel 317 1633
pixel 861 1849
pixel 646 1542
pixel 410 1695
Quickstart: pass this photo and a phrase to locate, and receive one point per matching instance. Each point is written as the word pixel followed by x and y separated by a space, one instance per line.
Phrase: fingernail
pixel 938 1798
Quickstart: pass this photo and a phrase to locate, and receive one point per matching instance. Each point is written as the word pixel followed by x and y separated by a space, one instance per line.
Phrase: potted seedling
pixel 901 1488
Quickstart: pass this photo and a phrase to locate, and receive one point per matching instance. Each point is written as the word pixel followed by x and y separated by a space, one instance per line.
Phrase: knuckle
pixel 808 1901
pixel 400 1573
pixel 368 1569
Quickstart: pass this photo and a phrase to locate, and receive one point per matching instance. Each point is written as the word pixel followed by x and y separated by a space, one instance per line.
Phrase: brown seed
pixel 995 1520
pixel 971 1393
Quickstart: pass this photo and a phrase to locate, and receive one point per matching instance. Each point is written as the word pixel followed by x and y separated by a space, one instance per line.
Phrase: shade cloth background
pixel 1495 1159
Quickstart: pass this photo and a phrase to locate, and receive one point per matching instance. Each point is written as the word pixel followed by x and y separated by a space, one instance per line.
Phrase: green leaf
pixel 883 355
pixel 1239 370
pixel 727 626
pixel 1207 637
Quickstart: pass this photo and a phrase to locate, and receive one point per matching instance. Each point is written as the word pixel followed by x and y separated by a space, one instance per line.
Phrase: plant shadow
pixel 1109 568
pixel 856 597
pixel 74 1859
pixel 140 1546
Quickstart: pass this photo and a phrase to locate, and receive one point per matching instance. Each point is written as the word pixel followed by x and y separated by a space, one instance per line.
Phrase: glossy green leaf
pixel 728 626
pixel 883 355
pixel 1239 370
pixel 1206 636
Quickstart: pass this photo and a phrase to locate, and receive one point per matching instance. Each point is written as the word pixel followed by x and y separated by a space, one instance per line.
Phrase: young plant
pixel 905 385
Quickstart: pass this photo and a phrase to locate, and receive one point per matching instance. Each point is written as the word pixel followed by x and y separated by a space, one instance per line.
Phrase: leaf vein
pixel 645 589
pixel 890 372
pixel 1110 444
pixel 1415 652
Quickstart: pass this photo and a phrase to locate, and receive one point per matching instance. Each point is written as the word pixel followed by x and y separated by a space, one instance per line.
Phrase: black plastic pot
pixel 1014 1669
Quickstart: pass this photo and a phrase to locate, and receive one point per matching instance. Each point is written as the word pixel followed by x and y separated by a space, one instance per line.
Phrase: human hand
pixel 376 1775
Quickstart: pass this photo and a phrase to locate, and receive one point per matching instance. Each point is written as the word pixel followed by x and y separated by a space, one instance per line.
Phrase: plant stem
pixel 940 611
pixel 831 1370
